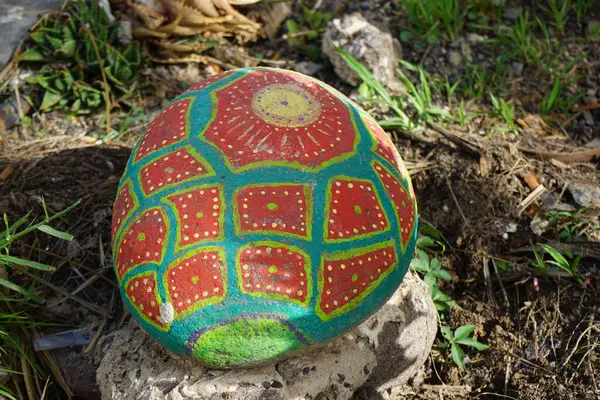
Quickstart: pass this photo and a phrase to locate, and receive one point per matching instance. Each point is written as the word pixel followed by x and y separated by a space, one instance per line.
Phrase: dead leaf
pixel 536 124
pixel 485 166
pixel 6 172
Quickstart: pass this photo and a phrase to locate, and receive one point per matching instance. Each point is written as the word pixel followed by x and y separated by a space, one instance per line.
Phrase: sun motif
pixel 286 105
pixel 269 118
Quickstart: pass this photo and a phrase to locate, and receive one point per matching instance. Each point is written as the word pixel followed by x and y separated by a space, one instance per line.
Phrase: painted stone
pixel 261 213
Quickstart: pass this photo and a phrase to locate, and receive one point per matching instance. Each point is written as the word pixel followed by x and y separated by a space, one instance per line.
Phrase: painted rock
pixel 261 213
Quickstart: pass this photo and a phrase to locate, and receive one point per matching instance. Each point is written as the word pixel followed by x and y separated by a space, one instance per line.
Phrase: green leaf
pixel 458 355
pixel 559 258
pixel 4 259
pixel 32 54
pixel 50 99
pixel 472 343
pixel 446 333
pixel 429 230
pixel 442 274
pixel 76 105
pixel 425 241
pixel 69 47
pixel 503 266
pixel 433 39
pixel 54 232
pixel 421 262
pixel 395 123
pixel 406 36
pixel 463 331
pixel 292 28
pixel 430 280
pixel 16 288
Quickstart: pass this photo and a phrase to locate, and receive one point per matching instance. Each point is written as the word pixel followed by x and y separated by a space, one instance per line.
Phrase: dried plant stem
pixel 107 100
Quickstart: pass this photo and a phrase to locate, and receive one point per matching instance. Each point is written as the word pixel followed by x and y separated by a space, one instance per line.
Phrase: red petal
pixel 142 242
pixel 283 209
pixel 175 167
pixel 142 293
pixel 383 145
pixel 199 212
pixel 405 209
pixel 196 280
pixel 354 210
pixel 125 204
pixel 347 277
pixel 273 270
pixel 169 127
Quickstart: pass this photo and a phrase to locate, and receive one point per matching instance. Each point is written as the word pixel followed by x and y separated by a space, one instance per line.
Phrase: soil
pixel 543 333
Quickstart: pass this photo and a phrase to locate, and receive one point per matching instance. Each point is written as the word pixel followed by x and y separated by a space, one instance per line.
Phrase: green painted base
pixel 246 341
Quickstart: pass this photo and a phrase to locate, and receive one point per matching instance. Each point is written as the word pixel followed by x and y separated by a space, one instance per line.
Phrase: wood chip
pixel 6 172
pixel 533 196
pixel 531 180
pixel 583 156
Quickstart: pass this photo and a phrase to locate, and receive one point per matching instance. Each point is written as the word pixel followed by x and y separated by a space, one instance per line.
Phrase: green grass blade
pixel 561 261
pixel 25 263
pixel 4 392
pixel 55 232
pixel 19 289
pixel 364 74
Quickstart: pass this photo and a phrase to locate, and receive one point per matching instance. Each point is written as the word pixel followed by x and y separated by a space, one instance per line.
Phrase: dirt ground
pixel 543 333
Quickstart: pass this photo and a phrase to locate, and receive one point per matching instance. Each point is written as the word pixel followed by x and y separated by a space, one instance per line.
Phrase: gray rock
pixel 455 58
pixel 517 68
pixel 308 67
pixel 372 46
pixel 511 13
pixel 403 328
pixel 475 38
pixel 16 17
pixel 386 350
pixel 584 194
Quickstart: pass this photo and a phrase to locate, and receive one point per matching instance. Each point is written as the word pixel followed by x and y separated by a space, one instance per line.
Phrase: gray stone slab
pixel 16 17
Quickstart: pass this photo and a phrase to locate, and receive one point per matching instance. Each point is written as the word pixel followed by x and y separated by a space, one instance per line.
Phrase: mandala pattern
pixel 143 242
pixel 291 121
pixel 142 292
pixel 348 277
pixel 404 207
pixel 274 270
pixel 353 210
pixel 196 280
pixel 168 128
pixel 199 212
pixel 262 212
pixel 277 209
pixel 173 168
